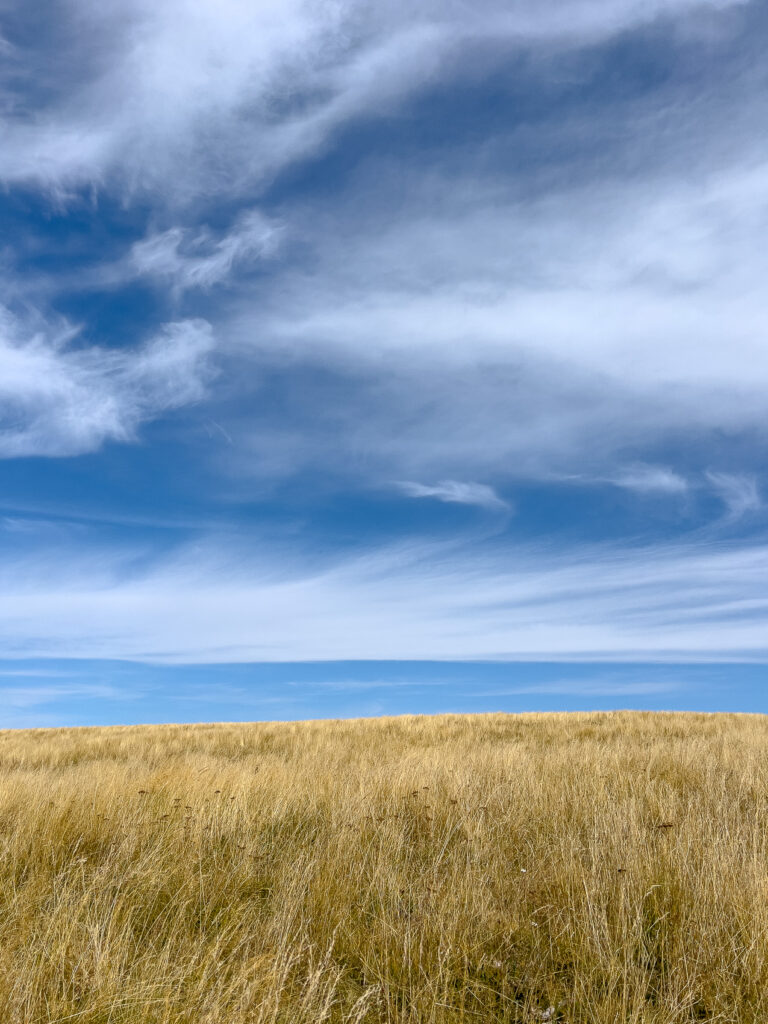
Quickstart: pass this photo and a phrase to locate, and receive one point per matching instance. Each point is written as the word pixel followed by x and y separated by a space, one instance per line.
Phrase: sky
pixel 363 358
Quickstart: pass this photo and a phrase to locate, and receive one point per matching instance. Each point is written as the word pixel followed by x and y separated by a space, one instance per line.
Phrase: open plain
pixel 588 868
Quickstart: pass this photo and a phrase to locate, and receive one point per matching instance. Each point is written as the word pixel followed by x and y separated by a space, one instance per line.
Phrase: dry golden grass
pixel 586 868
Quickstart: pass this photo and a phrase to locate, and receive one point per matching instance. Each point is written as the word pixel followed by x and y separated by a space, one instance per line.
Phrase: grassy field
pixel 587 868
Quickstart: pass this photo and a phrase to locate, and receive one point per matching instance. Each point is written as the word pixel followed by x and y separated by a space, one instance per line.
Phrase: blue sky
pixel 368 358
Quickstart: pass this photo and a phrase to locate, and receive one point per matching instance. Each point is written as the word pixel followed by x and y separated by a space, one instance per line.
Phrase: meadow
pixel 582 868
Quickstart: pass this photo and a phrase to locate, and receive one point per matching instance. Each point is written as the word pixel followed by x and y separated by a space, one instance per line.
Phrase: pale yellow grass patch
pixel 588 868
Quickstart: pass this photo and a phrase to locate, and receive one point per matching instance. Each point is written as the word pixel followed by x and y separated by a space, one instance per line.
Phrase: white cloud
pixel 480 323
pixel 174 258
pixel 456 492
pixel 650 480
pixel 452 281
pixel 481 333
pixel 60 399
pixel 738 492
pixel 190 97
pixel 694 603
pixel 494 328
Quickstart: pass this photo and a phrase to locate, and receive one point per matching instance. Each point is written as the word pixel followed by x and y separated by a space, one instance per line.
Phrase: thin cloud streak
pixel 653 603
pixel 34 696
pixel 650 480
pixel 458 493
pixel 597 687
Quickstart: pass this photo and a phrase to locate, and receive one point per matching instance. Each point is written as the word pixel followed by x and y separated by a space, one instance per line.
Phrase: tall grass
pixel 586 868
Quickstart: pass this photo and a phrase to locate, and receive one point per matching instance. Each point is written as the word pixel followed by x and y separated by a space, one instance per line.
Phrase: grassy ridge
pixel 582 868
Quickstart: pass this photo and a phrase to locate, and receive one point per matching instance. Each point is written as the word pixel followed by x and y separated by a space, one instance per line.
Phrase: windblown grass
pixel 588 868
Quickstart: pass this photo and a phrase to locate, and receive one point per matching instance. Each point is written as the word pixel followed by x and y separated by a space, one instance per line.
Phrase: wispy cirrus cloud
pixel 57 398
pixel 457 492
pixel 34 696
pixel 551 267
pixel 522 331
pixel 739 493
pixel 183 97
pixel 650 480
pixel 206 603
pixel 181 259
pixel 505 358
